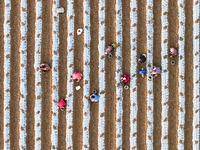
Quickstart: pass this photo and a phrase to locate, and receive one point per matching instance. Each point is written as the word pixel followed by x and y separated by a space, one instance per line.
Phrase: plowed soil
pixel 110 113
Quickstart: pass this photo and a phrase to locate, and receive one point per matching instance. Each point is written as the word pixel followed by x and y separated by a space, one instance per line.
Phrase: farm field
pixel 159 114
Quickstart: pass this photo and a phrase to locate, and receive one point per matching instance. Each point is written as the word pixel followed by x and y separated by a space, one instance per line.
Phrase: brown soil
pixel 142 105
pixel 30 75
pixel 62 75
pixel 1 73
pixel 110 103
pixel 46 76
pixel 14 75
pixel 173 75
pixel 126 70
pixel 94 82
pixel 157 88
pixel 110 113
pixel 78 66
pixel 188 74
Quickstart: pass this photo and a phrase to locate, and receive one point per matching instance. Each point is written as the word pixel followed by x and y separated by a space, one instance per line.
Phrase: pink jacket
pixel 173 52
pixel 76 75
pixel 61 103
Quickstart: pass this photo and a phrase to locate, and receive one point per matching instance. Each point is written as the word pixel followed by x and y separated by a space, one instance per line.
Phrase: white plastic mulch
pixel 23 72
pixel 133 73
pixel 38 87
pixel 150 97
pixel 55 58
pixel 86 74
pixel 181 70
pixel 196 65
pixel 70 69
pixel 101 48
pixel 165 74
pixel 7 52
pixel 118 73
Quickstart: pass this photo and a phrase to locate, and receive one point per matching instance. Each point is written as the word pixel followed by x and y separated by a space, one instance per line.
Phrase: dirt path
pixel 30 75
pixel 15 96
pixel 188 74
pixel 173 75
pixel 110 80
pixel 126 69
pixel 78 66
pixel 157 88
pixel 46 76
pixel 1 73
pixel 62 75
pixel 94 82
pixel 141 83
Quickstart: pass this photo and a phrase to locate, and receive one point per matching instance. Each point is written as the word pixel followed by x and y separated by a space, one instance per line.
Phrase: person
pixel 173 52
pixel 125 78
pixel 143 72
pixel 94 97
pixel 156 71
pixel 62 104
pixel 142 58
pixel 76 76
pixel 109 49
pixel 44 67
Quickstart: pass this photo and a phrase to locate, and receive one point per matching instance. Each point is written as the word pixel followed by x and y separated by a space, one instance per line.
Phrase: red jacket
pixel 126 78
pixel 61 103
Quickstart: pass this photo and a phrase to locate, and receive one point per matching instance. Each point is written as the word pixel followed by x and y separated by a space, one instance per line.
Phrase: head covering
pixel 173 51
pixel 61 103
pixel 44 66
pixel 77 75
pixel 95 97
pixel 142 71
pixel 126 78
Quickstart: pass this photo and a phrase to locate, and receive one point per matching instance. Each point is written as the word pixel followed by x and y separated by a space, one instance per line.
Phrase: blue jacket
pixel 95 99
pixel 143 71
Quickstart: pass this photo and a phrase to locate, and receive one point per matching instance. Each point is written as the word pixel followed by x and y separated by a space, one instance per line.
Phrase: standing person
pixel 94 97
pixel 44 67
pixel 142 58
pixel 143 72
pixel 62 104
pixel 76 76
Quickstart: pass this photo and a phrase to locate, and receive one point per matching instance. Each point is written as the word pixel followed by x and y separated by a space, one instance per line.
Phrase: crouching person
pixel 94 97
pixel 62 104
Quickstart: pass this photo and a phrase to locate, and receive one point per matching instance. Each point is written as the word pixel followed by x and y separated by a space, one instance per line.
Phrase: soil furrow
pixel 157 81
pixel 15 96
pixel 188 74
pixel 126 70
pixel 46 76
pixel 78 66
pixel 173 75
pixel 30 75
pixel 141 83
pixel 110 112
pixel 1 73
pixel 62 75
pixel 94 82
